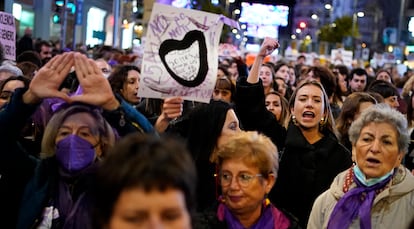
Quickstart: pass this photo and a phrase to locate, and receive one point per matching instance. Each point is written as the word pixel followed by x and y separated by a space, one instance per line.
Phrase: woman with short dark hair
pixel 149 179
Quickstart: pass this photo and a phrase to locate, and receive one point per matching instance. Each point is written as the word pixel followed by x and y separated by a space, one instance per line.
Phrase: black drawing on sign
pixel 182 58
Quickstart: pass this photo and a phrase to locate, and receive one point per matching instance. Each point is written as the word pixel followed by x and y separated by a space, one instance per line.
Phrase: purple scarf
pixel 75 212
pixel 356 202
pixel 265 221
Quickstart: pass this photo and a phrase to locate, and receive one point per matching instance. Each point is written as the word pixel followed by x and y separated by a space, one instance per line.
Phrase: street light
pixel 330 9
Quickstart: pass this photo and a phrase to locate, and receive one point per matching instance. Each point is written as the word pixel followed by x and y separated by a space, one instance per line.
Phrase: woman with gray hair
pixel 377 189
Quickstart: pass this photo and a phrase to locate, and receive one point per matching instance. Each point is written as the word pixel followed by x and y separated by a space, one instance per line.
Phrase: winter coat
pixel 392 208
pixel 306 170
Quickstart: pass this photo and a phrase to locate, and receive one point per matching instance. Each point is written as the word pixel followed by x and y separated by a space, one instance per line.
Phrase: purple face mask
pixel 74 153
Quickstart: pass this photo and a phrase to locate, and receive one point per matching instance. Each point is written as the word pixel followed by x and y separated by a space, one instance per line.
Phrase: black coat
pixel 16 165
pixel 306 170
pixel 253 115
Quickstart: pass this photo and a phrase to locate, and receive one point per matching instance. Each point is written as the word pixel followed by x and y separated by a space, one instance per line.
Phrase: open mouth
pixel 235 198
pixel 308 114
pixel 373 161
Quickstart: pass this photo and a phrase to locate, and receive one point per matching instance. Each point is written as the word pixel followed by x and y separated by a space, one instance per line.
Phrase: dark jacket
pixel 253 115
pixel 306 170
pixel 126 119
pixel 28 184
pixel 16 165
pixel 409 156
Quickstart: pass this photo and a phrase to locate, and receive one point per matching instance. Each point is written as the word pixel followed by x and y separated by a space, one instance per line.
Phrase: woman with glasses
pixel 247 171
pixel 205 129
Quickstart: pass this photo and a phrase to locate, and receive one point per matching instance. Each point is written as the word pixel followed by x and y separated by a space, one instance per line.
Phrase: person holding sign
pixel 125 82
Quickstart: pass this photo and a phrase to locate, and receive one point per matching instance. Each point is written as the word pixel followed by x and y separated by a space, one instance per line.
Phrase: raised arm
pixel 268 46
pixel 45 84
pixel 250 100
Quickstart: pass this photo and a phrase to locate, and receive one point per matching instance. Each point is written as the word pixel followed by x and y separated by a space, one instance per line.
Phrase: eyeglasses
pixel 243 179
pixel 5 95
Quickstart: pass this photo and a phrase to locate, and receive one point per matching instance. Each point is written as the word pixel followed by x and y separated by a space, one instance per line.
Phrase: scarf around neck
pixel 356 202
pixel 265 221
pixel 270 218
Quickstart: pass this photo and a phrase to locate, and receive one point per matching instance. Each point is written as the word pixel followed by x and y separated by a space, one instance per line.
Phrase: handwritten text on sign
pixel 180 54
pixel 8 35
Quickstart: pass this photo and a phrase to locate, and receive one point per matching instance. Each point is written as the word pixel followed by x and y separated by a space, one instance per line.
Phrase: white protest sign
pixel 8 35
pixel 228 50
pixel 180 54
pixel 341 57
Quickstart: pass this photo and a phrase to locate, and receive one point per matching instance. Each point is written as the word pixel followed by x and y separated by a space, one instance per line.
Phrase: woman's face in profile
pixel 137 208
pixel 376 149
pixel 131 86
pixel 230 127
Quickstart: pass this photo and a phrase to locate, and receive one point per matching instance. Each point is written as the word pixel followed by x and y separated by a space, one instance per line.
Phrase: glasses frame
pixel 242 182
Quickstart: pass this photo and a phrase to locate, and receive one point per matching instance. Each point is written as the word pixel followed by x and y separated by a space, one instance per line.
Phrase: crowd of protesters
pixel 80 149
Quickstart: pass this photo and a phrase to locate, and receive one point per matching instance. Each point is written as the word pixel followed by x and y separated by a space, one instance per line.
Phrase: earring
pixel 294 120
pixel 322 122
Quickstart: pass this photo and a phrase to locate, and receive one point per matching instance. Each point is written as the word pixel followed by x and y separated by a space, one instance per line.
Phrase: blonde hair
pixel 253 148
pixel 102 129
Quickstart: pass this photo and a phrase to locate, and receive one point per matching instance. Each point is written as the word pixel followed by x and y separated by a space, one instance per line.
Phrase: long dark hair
pixel 119 76
pixel 205 125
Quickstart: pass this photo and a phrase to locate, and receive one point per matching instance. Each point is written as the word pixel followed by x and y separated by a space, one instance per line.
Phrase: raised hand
pixel 46 82
pixel 172 107
pixel 96 90
pixel 268 46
